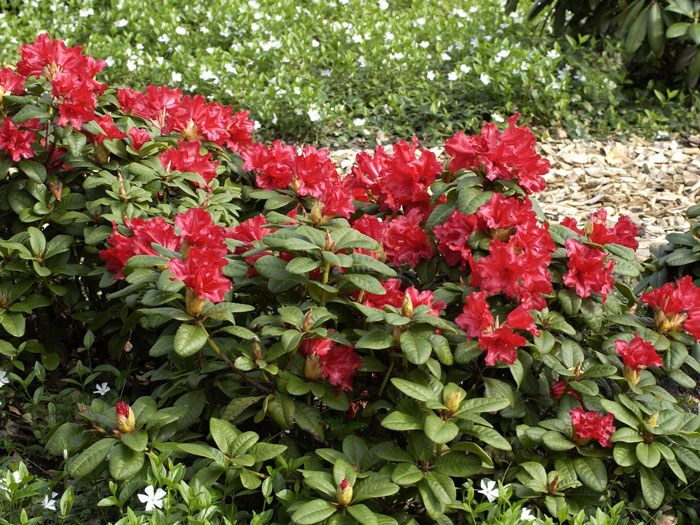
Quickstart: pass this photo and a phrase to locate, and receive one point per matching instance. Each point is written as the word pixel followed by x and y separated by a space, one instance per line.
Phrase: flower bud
pixel 257 352
pixel 194 303
pixel 631 375
pixel 653 420
pixel 552 487
pixel 330 245
pixel 102 158
pixel 453 400
pixel 190 131
pixel 306 326
pixel 407 306
pixel 317 212
pixel 312 368
pixel 343 494
pixel 124 417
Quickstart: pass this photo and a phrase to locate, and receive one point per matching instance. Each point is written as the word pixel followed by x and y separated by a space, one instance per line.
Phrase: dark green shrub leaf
pixel 439 430
pixel 84 463
pixel 406 474
pixel 314 511
pixel 652 488
pixel 189 339
pixel 402 422
pixel 124 463
pixel 592 472
pixel 136 440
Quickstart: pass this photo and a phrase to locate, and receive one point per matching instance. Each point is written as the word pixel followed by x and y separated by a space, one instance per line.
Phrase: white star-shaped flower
pixel 17 476
pixel 3 378
pixel 489 489
pixel 526 515
pixel 50 503
pixel 152 498
pixel 102 389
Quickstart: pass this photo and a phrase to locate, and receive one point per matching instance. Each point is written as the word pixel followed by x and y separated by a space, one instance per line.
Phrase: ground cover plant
pixel 199 327
pixel 331 72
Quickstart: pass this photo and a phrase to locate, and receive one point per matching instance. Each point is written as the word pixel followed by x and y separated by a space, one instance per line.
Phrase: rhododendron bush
pixel 324 348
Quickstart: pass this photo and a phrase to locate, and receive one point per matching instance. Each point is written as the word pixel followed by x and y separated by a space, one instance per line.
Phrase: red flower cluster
pixel 676 305
pixel 588 272
pixel 10 82
pixel 109 127
pixel 395 181
pixel 339 363
pixel 453 237
pixel 71 74
pixel 139 137
pixel 187 158
pixel 192 117
pixel 624 231
pixel 395 297
pixel 201 241
pixel 310 173
pixel 500 155
pixel 500 342
pixel 592 425
pixel 636 356
pixel 16 142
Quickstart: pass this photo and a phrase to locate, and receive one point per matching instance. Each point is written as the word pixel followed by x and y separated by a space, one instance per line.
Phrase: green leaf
pixel 365 282
pixel 414 390
pixel 242 443
pixel 34 171
pixel 688 458
pixel 592 314
pixel 637 32
pixel 487 435
pixel 497 389
pixel 538 474
pixel 406 474
pixel 69 436
pixel 569 301
pixel 189 339
pixel 676 30
pixel 361 259
pixel 433 506
pixel 652 488
pixel 14 324
pixel 265 451
pixel 655 30
pixel 136 440
pixel 314 511
pixel 592 472
pixel 626 435
pixel 648 454
pixel 440 431
pixel 478 405
pixel 375 339
pixel 374 486
pixel 84 463
pixel 302 265
pixel 223 433
pixel 442 487
pixel 417 349
pixel 29 112
pixel 309 419
pixel 555 441
pixel 681 257
pixel 471 199
pixel 362 514
pixel 125 463
pixel 624 455
pixel 401 422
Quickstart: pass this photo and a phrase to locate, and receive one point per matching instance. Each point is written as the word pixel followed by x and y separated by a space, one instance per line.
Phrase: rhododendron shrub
pixel 321 346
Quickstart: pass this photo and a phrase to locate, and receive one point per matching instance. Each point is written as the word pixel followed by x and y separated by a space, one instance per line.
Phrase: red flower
pixel 426 298
pixel 110 129
pixel 587 270
pixel 154 230
pixel 340 364
pixel 638 354
pixel 453 237
pixel 592 425
pixel 139 137
pixel 198 229
pixel 501 213
pixel 10 82
pixel 319 346
pixel 76 100
pixel 623 233
pixel 675 306
pixel 501 345
pixel 366 173
pixel 522 319
pixel 371 226
pixel 405 241
pixel 154 105
pixel 500 156
pixel 187 158
pixel 559 387
pixel 51 58
pixel 201 272
pixel 571 223
pixel 120 249
pixel 272 165
pixel 16 142
pixel 395 297
pixel 476 316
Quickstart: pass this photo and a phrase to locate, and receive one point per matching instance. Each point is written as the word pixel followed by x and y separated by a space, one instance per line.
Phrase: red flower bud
pixel 124 417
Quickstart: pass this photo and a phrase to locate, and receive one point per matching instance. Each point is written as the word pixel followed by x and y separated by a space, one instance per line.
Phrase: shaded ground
pixel 652 182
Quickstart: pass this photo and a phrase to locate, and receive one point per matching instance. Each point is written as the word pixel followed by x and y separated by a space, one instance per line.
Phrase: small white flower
pixel 473 9
pixel 314 115
pixel 86 12
pixel 256 124
pixel 383 5
pixel 253 4
pixel 104 387
pixel 388 36
pixel 17 476
pixel 163 39
pixel 488 489
pixel 445 56
pixel 452 76
pixel 3 378
pixel 131 65
pixel 119 23
pixel 465 69
pixel 357 39
pixel 498 118
pixel 315 43
pixel 420 21
pixel 152 498
pixel 65 454
pixel 502 54
pixel 274 119
pixel 325 72
pixel 362 62
pixel 50 503
pixel 230 68
pixel 181 31
pixel 424 44
pixel 553 54
pixel 359 122
pixel 485 79
pixel 526 515
pixel 430 75
pixel 254 26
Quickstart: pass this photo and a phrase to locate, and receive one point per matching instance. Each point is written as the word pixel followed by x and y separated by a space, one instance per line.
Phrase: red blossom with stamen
pixel 501 345
pixel 10 82
pixel 201 272
pixel 16 142
pixel 405 242
pixel 476 316
pixel 187 158
pixel 592 425
pixel 340 363
pixel 273 165
pixel 638 354
pixel 197 228
pixel 453 237
pixel 109 127
pixel 588 272
pixel 139 137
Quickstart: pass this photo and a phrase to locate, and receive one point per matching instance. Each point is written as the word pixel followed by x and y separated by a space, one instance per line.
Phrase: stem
pixel 386 378
pixel 216 349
